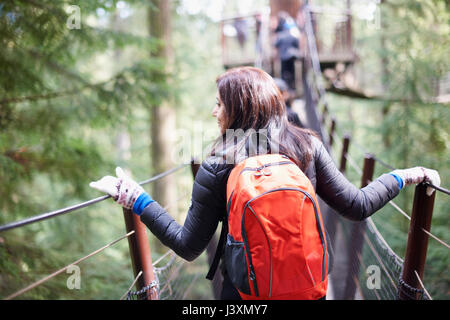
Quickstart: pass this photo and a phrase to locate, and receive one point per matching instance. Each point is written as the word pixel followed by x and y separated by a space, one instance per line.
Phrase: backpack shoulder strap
pixel 219 251
pixel 221 244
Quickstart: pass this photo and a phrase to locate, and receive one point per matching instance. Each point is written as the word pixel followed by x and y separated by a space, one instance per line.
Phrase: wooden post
pixel 356 242
pixel 416 248
pixel 324 114
pixel 345 146
pixel 141 258
pixel 332 128
pixel 290 6
pixel 194 167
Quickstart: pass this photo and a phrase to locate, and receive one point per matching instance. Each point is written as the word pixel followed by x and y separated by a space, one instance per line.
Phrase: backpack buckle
pixel 263 172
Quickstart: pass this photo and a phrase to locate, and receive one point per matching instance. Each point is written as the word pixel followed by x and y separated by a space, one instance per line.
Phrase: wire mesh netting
pixel 367 268
pixel 176 279
pixel 379 267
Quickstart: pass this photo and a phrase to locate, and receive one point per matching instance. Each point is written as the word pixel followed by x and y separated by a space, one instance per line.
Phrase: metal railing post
pixel 356 242
pixel 332 128
pixel 417 245
pixel 141 258
pixel 324 114
pixel 194 167
pixel 345 147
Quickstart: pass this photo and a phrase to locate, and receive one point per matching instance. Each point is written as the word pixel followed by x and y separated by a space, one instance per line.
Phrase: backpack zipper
pixel 266 165
pixel 270 250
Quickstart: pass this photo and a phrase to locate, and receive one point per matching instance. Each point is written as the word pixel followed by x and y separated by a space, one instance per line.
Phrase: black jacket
pixel 287 45
pixel 208 204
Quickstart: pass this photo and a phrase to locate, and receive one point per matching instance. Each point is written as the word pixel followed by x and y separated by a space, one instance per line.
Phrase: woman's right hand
pixel 124 190
pixel 417 175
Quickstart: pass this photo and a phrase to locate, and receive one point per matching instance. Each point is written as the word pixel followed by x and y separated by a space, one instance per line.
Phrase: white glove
pixel 123 189
pixel 418 175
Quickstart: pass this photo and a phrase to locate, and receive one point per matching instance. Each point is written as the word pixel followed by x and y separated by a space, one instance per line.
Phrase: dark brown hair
pixel 253 101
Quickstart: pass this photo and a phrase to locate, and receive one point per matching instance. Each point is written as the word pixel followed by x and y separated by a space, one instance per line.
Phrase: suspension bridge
pixel 359 247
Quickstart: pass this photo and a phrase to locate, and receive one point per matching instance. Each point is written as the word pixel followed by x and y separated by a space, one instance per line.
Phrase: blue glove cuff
pixel 143 201
pixel 399 180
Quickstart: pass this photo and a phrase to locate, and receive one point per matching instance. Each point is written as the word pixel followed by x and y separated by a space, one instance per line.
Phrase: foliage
pixel 403 59
pixel 47 98
pixel 66 95
pixel 59 110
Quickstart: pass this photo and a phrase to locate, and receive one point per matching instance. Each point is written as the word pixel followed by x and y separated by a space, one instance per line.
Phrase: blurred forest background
pixel 77 102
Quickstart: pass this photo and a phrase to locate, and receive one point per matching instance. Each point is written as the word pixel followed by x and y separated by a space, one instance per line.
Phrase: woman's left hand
pixel 419 174
pixel 122 188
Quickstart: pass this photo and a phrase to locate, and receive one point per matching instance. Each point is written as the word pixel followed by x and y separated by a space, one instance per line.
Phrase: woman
pixel 248 102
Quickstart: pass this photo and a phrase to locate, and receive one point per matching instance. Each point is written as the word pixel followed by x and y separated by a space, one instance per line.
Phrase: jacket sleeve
pixel 348 200
pixel 206 209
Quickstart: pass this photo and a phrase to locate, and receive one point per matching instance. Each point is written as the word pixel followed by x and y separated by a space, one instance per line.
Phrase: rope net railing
pixel 377 268
pixel 365 266
pixel 376 255
pixel 175 279
pixel 375 251
pixel 376 271
pixel 372 239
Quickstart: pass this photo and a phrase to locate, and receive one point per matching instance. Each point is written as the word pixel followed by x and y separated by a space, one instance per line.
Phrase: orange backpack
pixel 275 240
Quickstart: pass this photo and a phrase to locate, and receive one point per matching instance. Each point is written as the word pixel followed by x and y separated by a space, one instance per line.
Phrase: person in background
pixel 241 27
pixel 287 44
pixel 291 114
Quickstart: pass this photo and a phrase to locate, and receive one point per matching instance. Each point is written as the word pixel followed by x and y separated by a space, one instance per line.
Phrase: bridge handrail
pixel 139 249
pixel 55 213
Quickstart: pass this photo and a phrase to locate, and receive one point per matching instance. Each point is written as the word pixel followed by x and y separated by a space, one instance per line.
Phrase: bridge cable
pixel 54 274
pixel 393 204
pixel 388 166
pixel 52 214
pixel 155 284
pixel 131 286
pixel 421 284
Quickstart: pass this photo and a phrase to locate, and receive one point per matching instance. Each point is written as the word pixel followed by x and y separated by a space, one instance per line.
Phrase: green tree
pixel 48 95
pixel 58 107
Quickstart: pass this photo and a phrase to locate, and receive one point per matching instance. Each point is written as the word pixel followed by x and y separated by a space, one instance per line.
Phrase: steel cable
pixel 52 214
pixel 54 274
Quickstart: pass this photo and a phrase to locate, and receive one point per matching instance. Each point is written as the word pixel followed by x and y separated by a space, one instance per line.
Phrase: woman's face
pixel 219 113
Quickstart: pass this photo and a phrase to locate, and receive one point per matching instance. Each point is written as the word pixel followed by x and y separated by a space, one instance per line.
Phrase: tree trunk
pixel 163 116
pixel 289 6
pixel 385 77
